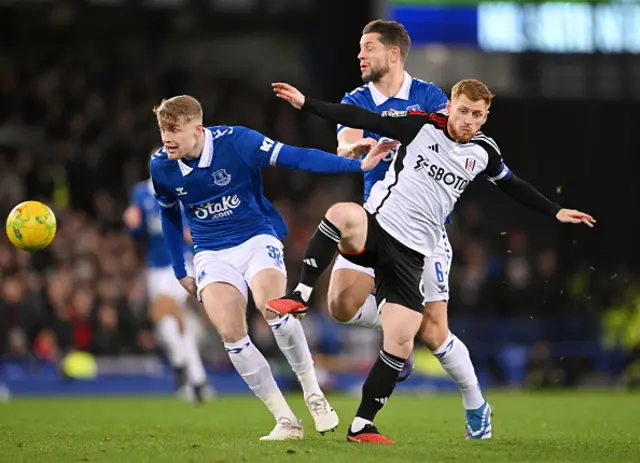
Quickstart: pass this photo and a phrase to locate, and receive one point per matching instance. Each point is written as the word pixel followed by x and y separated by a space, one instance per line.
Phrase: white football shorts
pixel 238 265
pixel 162 282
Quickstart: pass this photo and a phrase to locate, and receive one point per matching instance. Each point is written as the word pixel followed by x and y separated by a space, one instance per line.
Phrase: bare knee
pixel 342 214
pixel 225 307
pixel 343 306
pixel 348 291
pixel 231 335
pixel 399 327
pixel 351 220
pixel 434 329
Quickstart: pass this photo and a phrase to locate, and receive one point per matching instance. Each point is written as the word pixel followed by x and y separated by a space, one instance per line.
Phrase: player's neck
pixel 391 83
pixel 197 150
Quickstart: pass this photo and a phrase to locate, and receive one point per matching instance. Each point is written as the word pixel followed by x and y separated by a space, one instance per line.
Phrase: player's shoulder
pixel 358 96
pixel 159 158
pixel 487 143
pixel 431 97
pixel 418 84
pixel 220 131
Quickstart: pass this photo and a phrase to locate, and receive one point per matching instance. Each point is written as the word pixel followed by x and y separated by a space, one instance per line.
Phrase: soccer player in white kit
pixel 168 300
pixel 401 222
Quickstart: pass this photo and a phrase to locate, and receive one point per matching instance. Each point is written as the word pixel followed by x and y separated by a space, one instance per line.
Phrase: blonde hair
pixel 169 111
pixel 472 89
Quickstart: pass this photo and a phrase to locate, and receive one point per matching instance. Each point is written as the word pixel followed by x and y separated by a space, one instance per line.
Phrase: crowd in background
pixel 76 132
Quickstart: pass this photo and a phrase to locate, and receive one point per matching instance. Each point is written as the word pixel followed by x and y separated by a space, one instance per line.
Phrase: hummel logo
pixel 311 262
pixel 435 148
pixel 180 191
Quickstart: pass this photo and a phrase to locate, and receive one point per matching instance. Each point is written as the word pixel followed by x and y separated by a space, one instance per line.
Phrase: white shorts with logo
pixel 238 265
pixel 162 282
pixel 435 275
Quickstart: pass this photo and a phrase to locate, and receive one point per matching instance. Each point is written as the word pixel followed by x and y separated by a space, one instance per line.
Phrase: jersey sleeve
pixel 349 98
pixel 435 100
pixel 401 128
pixel 165 197
pixel 255 150
pixel 496 169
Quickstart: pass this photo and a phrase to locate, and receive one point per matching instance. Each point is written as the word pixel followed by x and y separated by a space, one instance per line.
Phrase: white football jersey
pixel 429 173
pixel 424 182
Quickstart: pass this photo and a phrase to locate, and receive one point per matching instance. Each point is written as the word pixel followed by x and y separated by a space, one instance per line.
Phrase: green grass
pixel 566 427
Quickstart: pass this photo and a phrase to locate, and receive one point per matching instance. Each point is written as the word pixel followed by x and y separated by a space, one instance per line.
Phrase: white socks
pixel 454 358
pixel 255 370
pixel 292 342
pixel 367 316
pixel 169 333
pixel 182 350
pixel 195 369
pixel 305 291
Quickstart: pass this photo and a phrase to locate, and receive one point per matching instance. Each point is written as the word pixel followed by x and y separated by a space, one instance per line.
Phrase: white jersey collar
pixel 403 93
pixel 205 158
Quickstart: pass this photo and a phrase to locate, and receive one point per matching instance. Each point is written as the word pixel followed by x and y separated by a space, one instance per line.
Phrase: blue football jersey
pixel 157 255
pixel 221 191
pixel 415 94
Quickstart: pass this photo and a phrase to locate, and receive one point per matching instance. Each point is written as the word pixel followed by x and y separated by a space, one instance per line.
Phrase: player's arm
pixel 172 229
pixel 186 233
pixel 525 193
pixel 347 139
pixel 351 142
pixel 403 129
pixel 258 151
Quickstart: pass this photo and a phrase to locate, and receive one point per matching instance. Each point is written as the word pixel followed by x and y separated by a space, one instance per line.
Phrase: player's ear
pixel 448 107
pixel 396 54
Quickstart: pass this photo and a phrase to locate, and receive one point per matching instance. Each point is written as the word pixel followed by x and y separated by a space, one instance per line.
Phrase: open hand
pixel 362 146
pixel 573 216
pixel 288 93
pixel 377 153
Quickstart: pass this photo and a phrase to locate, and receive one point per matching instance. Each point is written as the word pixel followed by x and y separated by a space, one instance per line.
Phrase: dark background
pixel 77 84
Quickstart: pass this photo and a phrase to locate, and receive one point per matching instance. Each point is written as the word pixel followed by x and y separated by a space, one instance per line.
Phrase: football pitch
pixel 559 427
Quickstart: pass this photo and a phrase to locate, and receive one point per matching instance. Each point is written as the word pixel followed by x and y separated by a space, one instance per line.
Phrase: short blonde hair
pixel 472 89
pixel 169 111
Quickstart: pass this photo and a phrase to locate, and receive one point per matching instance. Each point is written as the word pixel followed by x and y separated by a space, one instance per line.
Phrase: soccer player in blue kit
pixel 215 173
pixel 384 47
pixel 167 298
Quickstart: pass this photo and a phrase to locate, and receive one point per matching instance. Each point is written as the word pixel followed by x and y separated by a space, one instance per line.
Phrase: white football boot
pixel 285 430
pixel 324 417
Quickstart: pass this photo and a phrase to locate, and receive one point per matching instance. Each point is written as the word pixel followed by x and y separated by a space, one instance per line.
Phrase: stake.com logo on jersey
pixel 223 208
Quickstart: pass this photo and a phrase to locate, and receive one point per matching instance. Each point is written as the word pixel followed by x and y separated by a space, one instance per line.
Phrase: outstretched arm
pixel 403 129
pixel 528 196
pixel 258 151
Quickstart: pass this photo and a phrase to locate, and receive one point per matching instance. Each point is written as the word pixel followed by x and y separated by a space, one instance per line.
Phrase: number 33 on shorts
pixel 276 254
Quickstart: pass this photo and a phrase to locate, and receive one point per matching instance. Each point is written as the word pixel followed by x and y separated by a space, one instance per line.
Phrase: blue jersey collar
pixel 205 158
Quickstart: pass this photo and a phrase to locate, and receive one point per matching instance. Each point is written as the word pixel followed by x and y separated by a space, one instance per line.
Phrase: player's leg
pixel 344 223
pixel 268 281
pixel 398 280
pixel 350 297
pixel 167 318
pixel 196 372
pixel 351 300
pixel 447 347
pixel 223 293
